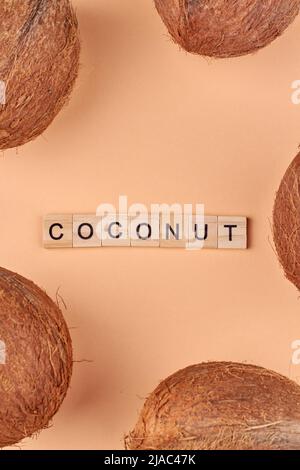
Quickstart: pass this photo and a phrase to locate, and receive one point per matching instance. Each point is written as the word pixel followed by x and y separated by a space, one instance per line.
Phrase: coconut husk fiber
pixel 223 28
pixel 220 406
pixel 39 60
pixel 286 222
pixel 36 373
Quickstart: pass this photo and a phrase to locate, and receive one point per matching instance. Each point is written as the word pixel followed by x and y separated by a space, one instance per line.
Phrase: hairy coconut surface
pixel 36 372
pixel 286 222
pixel 223 28
pixel 39 60
pixel 220 405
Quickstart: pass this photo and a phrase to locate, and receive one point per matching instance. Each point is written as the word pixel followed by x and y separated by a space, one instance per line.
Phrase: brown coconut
pixel 222 28
pixel 39 60
pixel 286 222
pixel 36 368
pixel 220 406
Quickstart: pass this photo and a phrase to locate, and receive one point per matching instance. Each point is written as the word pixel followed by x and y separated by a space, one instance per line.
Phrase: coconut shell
pixel 36 372
pixel 286 222
pixel 39 60
pixel 220 406
pixel 222 28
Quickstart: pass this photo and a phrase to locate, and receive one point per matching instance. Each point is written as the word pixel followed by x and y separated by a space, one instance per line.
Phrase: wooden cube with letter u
pixel 203 232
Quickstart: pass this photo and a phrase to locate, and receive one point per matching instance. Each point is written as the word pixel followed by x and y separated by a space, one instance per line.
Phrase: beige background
pixel 159 125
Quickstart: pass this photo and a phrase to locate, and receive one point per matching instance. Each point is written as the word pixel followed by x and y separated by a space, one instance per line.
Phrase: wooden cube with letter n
pixel 172 230
pixel 232 233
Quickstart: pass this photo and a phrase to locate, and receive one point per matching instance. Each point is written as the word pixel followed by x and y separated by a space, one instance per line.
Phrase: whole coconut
pixel 286 222
pixel 222 28
pixel 36 358
pixel 220 406
pixel 39 60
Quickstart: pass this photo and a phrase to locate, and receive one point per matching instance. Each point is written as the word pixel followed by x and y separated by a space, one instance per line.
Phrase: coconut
pixel 222 28
pixel 286 222
pixel 35 358
pixel 39 60
pixel 220 406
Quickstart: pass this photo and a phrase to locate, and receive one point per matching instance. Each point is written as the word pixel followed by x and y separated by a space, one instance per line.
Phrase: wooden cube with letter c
pixel 115 230
pixel 58 231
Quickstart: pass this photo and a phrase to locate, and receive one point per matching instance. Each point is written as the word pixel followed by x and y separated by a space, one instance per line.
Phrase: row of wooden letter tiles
pixel 86 230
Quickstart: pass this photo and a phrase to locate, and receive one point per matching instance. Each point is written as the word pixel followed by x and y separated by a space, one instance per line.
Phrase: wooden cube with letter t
pixel 232 233
pixel 58 231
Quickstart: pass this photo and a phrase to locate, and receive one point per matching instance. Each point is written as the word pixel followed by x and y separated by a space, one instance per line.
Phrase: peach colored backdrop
pixel 159 125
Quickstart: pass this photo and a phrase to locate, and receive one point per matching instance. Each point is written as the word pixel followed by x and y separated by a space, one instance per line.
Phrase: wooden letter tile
pixel 58 231
pixel 85 231
pixel 144 230
pixel 203 235
pixel 115 230
pixel 232 232
pixel 172 233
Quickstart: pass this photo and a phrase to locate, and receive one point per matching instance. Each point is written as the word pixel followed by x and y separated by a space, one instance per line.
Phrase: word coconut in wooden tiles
pixel 173 231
